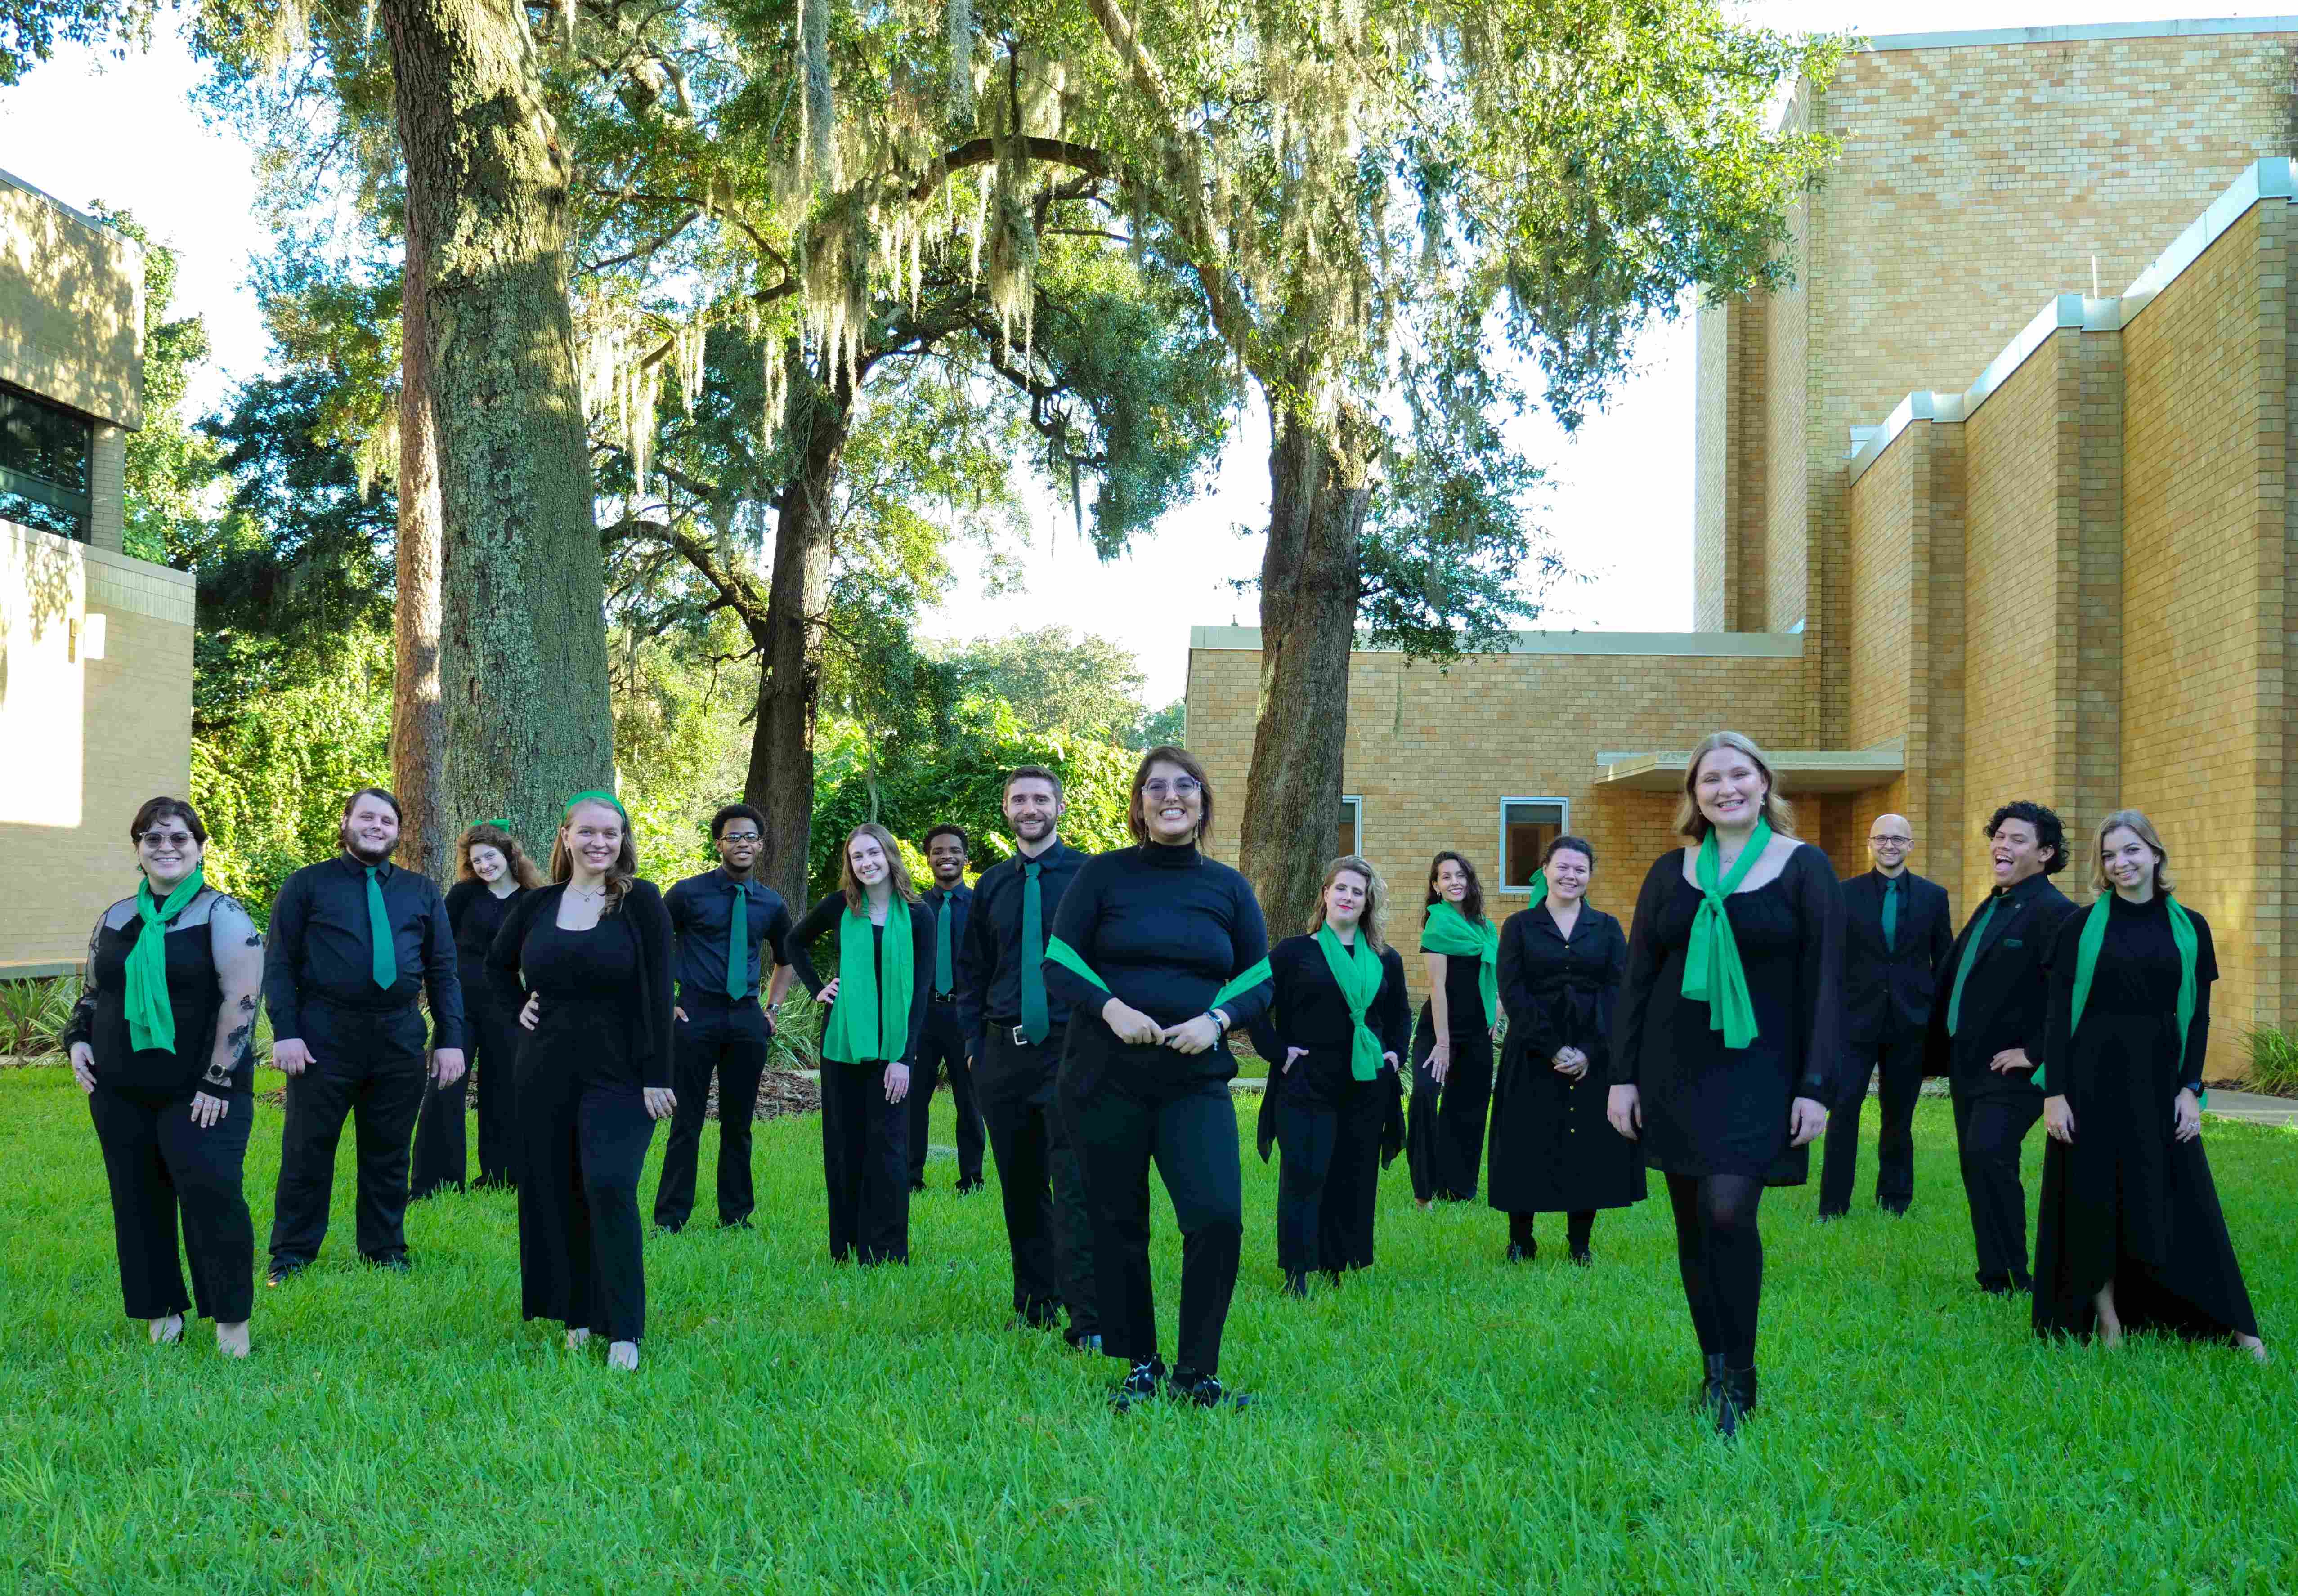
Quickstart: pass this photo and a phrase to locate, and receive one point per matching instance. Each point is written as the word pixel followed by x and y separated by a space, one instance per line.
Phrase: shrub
pixel 33 1013
pixel 2273 1061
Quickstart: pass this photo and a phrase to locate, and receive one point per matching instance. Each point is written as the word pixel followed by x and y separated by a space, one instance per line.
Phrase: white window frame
pixel 1500 853
pixel 1354 802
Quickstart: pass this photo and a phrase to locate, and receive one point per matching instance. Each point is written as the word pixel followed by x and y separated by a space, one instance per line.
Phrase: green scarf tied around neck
pixel 1450 932
pixel 871 1018
pixel 1712 972
pixel 1356 971
pixel 2183 937
pixel 151 1016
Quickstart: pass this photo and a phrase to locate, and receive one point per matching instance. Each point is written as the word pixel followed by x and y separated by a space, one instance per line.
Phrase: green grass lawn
pixel 1447 1423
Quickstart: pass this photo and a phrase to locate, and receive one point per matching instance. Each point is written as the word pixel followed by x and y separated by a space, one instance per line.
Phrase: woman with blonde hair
pixel 585 962
pixel 1333 1034
pixel 877 1013
pixel 491 870
pixel 2130 1235
pixel 1727 1030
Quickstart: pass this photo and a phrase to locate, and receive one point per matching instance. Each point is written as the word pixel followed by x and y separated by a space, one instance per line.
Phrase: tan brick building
pixel 1966 529
pixel 96 648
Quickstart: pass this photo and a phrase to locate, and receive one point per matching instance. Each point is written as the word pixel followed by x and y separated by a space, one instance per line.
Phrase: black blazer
pixel 2006 1002
pixel 1888 993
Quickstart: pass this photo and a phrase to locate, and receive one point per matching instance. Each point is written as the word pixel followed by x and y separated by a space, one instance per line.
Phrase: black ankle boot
pixel 1734 1399
pixel 1712 1380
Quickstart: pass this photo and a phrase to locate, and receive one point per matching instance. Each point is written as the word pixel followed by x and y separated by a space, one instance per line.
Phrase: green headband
pixel 608 799
pixel 500 825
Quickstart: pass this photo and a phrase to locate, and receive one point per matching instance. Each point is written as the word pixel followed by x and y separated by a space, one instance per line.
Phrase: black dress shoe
pixel 1827 1216
pixel 285 1269
pixel 1089 1342
pixel 398 1263
pixel 1203 1391
pixel 1523 1252
pixel 1145 1383
pixel 1897 1209
pixel 966 1188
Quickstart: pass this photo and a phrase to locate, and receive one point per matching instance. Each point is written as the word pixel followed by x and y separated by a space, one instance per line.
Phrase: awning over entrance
pixel 1812 769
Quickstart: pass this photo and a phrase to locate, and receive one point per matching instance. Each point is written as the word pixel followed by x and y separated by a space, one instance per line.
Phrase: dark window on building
pixel 1351 838
pixel 45 455
pixel 1527 826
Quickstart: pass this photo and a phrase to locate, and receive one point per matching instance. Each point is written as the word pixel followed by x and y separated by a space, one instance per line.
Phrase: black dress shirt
pixel 989 963
pixel 960 898
pixel 1887 992
pixel 320 947
pixel 701 914
pixel 2005 998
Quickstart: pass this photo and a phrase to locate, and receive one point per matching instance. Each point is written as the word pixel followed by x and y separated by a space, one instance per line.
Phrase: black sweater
pixel 644 1005
pixel 1167 928
pixel 825 916
pixel 1307 1011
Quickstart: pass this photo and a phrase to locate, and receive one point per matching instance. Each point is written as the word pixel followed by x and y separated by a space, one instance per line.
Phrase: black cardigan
pixel 648 1009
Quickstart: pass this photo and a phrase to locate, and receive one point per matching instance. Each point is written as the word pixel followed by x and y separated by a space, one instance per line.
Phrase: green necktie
pixel 1969 957
pixel 737 945
pixel 378 933
pixel 941 948
pixel 1890 913
pixel 1036 1022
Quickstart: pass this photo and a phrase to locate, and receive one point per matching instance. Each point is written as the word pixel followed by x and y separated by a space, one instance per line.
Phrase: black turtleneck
pixel 1166 928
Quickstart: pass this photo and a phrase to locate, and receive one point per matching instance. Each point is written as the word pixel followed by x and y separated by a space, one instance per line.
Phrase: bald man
pixel 1897 933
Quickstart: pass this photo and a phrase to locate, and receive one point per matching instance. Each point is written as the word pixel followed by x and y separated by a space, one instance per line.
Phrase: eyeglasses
pixel 738 836
pixel 168 839
pixel 1892 841
pixel 1179 787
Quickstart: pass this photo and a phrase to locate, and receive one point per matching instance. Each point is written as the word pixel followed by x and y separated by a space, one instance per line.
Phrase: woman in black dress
pixel 877 1012
pixel 1561 964
pixel 161 1041
pixel 1453 1046
pixel 585 965
pixel 491 870
pixel 1727 1028
pixel 1160 952
pixel 1339 1021
pixel 2130 1235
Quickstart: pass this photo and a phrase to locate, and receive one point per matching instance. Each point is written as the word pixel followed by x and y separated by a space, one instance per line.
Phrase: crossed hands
pixel 1131 1025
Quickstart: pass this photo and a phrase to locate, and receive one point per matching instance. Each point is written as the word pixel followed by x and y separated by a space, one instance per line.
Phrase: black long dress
pixel 1329 1124
pixel 1445 1138
pixel 1710 1109
pixel 1552 1149
pixel 2126 1201
pixel 602 1036
pixel 490 1049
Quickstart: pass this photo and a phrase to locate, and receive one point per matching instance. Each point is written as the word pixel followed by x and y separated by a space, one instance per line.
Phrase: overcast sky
pixel 1619 502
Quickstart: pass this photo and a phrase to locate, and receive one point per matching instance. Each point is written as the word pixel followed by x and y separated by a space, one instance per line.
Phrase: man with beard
pixel 951 904
pixel 1014 1030
pixel 353 942
pixel 724 922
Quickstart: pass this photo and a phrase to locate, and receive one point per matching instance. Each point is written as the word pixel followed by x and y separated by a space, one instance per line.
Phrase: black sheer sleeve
pixel 1392 1010
pixel 80 1026
pixel 1643 967
pixel 1818 1043
pixel 922 956
pixel 807 933
pixel 236 947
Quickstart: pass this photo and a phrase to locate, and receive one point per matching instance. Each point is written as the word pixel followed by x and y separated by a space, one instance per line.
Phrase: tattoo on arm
pixel 247 1004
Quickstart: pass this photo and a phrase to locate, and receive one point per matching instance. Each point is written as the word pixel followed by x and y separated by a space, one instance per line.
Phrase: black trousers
pixel 1444 1127
pixel 582 1256
pixel 1049 1225
pixel 442 1146
pixel 1901 1060
pixel 1328 1172
pixel 368 1065
pixel 865 1165
pixel 164 1170
pixel 1128 1105
pixel 943 1047
pixel 1989 1131
pixel 731 1038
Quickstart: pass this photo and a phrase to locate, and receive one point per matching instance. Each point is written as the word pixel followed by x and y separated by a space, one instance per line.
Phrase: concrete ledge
pixel 2078 33
pixel 35 971
pixel 1702 645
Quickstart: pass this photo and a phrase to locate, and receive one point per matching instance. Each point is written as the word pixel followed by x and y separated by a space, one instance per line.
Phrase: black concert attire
pixel 163 1170
pixel 1445 1133
pixel 724 1030
pixel 1552 1148
pixel 1888 982
pixel 1328 1125
pixel 2127 1201
pixel 1048 1224
pixel 1715 1118
pixel 1166 928
pixel 2004 1004
pixel 367 1043
pixel 491 1033
pixel 942 1045
pixel 602 1035
pixel 865 1140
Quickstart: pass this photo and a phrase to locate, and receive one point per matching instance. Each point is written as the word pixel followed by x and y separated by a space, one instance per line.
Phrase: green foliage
pixel 33 1014
pixel 1058 682
pixel 2273 1061
pixel 680 747
pixel 31 30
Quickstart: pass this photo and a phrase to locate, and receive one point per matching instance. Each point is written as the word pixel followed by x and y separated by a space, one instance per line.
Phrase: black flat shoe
pixel 1145 1383
pixel 1195 1390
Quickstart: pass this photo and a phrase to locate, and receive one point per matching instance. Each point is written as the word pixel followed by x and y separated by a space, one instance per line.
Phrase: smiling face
pixel 169 853
pixel 1345 899
pixel 1452 881
pixel 1172 803
pixel 371 829
pixel 947 855
pixel 1730 789
pixel 1032 809
pixel 1567 871
pixel 487 863
pixel 867 856
pixel 2016 852
pixel 1888 842
pixel 2128 862
pixel 738 845
pixel 593 836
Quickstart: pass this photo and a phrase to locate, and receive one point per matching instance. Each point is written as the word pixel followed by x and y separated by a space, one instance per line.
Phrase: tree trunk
pixel 1318 488
pixel 780 779
pixel 418 722
pixel 522 653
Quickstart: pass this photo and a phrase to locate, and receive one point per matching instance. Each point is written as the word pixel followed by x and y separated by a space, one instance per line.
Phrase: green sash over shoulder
pixel 871 1018
pixel 2093 938
pixel 1357 971
pixel 1450 932
pixel 1069 959
pixel 1712 972
pixel 151 1014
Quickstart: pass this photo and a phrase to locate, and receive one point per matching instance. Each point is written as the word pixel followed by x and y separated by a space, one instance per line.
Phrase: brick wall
pixel 71 308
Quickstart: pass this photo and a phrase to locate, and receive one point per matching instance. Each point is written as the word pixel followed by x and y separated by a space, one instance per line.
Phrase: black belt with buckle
pixel 943 996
